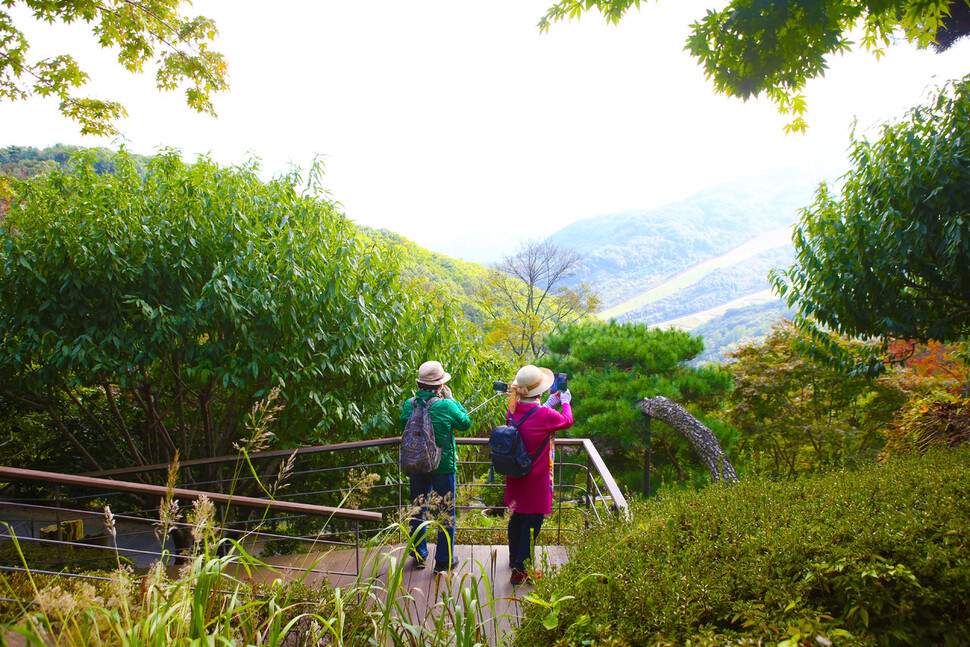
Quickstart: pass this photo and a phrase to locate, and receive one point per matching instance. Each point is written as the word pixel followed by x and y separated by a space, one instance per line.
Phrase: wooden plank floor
pixel 483 569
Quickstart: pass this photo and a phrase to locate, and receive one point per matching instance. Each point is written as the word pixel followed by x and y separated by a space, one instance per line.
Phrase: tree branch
pixel 695 432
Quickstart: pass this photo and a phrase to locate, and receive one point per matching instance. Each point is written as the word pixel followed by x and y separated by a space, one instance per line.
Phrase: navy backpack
pixel 509 456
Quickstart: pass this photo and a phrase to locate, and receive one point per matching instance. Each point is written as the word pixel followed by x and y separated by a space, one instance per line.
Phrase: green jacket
pixel 446 417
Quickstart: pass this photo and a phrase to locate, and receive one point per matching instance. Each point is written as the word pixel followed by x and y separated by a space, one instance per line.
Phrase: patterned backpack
pixel 419 453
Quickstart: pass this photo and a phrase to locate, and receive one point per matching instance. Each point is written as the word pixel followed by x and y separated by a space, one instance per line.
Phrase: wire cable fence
pixel 270 503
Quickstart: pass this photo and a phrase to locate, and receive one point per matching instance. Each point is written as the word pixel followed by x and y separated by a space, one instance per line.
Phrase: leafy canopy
pixel 889 254
pixel 145 316
pixel 151 32
pixel 776 46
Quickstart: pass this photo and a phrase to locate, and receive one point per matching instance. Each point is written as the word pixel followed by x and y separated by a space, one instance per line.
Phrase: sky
pixel 460 126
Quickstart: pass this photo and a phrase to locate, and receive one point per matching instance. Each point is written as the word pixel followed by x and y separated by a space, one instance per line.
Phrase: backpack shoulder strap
pixel 516 424
pixel 545 442
pixel 415 401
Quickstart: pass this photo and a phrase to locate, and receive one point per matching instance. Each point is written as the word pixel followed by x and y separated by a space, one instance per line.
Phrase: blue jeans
pixel 422 485
pixel 523 533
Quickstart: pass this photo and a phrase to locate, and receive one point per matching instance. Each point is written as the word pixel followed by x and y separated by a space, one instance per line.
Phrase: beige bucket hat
pixel 433 374
pixel 534 380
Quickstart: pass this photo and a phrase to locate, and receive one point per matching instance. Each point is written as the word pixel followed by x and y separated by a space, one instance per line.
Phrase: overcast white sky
pixel 441 119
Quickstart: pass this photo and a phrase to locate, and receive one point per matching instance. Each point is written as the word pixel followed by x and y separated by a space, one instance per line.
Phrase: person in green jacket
pixel 447 415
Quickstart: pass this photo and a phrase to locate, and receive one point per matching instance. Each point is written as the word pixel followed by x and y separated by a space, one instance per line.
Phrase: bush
pixel 878 556
pixel 144 314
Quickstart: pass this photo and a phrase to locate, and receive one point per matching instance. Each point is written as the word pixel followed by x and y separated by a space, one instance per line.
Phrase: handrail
pixel 17 474
pixel 619 501
pixel 276 453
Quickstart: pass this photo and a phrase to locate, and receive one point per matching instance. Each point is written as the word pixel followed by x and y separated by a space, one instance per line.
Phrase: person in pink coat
pixel 530 498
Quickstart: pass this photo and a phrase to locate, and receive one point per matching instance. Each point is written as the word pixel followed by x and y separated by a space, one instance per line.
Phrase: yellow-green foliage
pixel 797 414
pixel 429 270
pixel 877 556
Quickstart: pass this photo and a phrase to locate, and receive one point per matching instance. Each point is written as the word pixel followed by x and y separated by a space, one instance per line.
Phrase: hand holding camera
pixel 566 397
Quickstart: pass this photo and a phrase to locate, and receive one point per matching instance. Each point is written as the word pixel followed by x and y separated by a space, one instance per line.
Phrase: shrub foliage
pixel 145 315
pixel 878 556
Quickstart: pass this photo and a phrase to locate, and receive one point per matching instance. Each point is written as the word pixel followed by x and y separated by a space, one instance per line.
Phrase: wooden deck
pixel 484 569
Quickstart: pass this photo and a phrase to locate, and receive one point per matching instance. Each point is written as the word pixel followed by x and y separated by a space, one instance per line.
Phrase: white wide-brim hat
pixel 534 379
pixel 433 374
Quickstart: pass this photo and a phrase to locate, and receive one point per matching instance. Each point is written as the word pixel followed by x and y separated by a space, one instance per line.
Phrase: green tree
pixel 888 254
pixel 776 46
pixel 146 315
pixel 796 415
pixel 525 296
pixel 612 366
pixel 149 32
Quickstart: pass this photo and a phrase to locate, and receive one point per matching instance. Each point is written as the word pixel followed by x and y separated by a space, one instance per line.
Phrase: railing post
pixel 357 545
pixel 559 529
pixel 57 522
pixel 589 490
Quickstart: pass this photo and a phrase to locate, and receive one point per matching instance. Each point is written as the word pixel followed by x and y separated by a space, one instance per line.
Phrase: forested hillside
pixel 716 288
pixel 627 253
pixel 22 162
pixel 458 278
pixel 723 334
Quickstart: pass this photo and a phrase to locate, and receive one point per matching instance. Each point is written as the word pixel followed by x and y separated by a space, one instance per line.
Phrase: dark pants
pixel 443 485
pixel 523 533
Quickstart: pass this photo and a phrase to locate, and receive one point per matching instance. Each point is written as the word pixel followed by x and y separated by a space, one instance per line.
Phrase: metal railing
pixel 596 491
pixel 310 505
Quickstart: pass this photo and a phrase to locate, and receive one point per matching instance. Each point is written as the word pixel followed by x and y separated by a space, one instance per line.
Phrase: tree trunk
pixel 699 436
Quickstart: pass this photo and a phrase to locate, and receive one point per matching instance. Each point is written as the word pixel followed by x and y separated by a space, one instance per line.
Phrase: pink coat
pixel 532 494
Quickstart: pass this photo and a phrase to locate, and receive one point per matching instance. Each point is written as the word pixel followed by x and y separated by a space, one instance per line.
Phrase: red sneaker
pixel 518 578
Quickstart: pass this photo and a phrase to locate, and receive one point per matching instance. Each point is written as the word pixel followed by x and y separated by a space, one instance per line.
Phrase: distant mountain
pixel 701 264
pixel 738 326
pixel 716 288
pixel 626 254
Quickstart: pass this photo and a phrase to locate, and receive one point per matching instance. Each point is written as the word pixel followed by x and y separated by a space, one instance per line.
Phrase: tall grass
pixel 237 599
